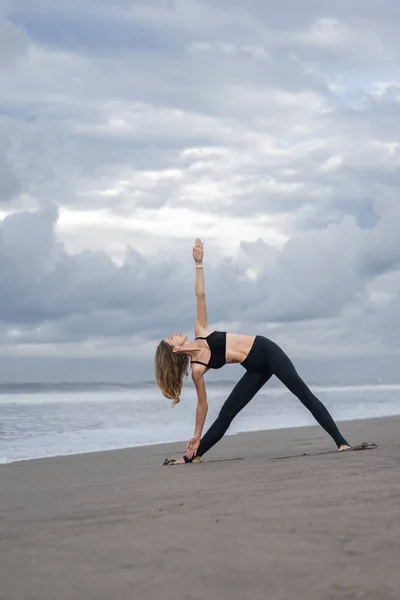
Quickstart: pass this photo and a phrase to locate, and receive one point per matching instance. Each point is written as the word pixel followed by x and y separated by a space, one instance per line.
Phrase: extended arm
pixel 201 318
pixel 201 412
pixel 202 404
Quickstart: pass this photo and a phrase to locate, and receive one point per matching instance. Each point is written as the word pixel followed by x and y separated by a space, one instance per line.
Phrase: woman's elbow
pixel 202 406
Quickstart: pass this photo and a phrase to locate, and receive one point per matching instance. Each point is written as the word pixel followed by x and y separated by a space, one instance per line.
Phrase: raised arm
pixel 201 411
pixel 201 318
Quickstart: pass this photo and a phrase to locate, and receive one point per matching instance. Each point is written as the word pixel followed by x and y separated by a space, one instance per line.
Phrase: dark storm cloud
pixel 87 294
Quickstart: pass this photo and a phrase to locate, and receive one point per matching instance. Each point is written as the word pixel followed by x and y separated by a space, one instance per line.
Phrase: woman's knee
pixel 225 417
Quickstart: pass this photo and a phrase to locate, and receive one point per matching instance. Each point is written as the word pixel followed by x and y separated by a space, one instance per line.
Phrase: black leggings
pixel 264 360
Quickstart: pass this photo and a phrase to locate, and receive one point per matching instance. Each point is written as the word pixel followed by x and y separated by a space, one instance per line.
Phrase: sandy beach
pixel 276 515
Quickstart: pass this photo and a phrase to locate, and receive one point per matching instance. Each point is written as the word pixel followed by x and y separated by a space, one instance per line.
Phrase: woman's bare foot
pixel 181 461
pixel 344 447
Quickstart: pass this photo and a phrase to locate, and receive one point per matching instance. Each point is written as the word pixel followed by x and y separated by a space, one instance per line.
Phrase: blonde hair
pixel 171 368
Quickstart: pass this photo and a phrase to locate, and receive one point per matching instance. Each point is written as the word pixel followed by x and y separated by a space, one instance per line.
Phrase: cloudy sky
pixel 128 128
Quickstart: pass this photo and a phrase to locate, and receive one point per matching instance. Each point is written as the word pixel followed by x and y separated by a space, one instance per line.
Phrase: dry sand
pixel 116 525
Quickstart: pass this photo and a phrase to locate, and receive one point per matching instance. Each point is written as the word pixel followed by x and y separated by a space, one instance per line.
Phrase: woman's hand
pixel 192 446
pixel 198 251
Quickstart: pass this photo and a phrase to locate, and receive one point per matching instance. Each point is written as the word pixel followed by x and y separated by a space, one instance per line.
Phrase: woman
pixel 260 356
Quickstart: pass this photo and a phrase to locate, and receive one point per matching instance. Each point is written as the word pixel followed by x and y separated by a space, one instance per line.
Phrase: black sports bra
pixel 217 343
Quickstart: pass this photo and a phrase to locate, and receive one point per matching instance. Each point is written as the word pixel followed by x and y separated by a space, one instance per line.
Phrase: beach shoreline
pixel 182 442
pixel 279 514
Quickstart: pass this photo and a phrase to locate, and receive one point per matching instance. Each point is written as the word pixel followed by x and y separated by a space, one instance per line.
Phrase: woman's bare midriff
pixel 238 346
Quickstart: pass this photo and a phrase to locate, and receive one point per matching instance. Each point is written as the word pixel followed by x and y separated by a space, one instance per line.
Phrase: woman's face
pixel 176 339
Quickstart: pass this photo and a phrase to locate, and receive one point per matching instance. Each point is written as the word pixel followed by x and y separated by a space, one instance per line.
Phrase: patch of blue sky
pixel 98 35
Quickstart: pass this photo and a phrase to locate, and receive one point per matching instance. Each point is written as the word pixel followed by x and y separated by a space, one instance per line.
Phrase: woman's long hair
pixel 171 368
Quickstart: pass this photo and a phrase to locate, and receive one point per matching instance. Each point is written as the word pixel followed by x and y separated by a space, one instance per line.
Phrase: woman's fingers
pixel 191 451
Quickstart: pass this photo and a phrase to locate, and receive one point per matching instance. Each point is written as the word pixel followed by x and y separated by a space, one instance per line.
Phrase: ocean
pixel 51 420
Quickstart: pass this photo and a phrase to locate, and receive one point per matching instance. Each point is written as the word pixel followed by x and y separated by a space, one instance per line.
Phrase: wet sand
pixel 257 519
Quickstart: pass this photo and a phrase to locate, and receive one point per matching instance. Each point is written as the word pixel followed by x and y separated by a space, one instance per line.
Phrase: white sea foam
pixel 59 422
